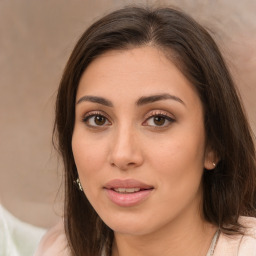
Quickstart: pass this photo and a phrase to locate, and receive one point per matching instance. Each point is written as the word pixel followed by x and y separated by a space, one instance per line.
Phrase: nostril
pixel 123 166
pixel 130 164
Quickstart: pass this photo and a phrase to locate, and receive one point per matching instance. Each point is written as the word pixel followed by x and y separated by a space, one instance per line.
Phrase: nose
pixel 125 150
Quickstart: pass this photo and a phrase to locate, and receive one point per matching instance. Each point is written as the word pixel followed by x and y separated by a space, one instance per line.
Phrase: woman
pixel 159 157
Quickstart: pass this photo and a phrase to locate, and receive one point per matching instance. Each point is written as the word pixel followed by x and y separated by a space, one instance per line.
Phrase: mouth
pixel 126 190
pixel 126 193
pixel 128 185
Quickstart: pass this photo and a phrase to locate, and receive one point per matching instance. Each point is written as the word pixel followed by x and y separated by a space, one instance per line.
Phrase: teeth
pixel 126 190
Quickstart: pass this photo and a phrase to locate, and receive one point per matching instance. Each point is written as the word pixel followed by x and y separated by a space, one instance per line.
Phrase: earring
pixel 77 181
pixel 214 165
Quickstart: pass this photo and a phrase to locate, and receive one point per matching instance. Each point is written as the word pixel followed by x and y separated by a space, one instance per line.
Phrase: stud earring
pixel 77 181
pixel 214 165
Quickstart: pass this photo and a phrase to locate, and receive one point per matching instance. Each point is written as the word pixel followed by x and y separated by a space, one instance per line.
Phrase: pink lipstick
pixel 128 192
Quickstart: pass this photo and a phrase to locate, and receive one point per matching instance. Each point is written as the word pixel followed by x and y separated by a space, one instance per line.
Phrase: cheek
pixel 180 160
pixel 88 152
pixel 90 158
pixel 178 151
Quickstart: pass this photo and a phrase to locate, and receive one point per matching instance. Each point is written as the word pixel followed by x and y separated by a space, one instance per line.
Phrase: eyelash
pixel 156 114
pixel 161 114
pixel 90 115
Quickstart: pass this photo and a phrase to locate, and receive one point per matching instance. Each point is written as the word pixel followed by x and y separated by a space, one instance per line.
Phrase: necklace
pixel 213 243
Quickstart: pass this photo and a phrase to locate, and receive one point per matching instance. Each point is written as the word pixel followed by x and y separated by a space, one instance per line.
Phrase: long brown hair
pixel 228 190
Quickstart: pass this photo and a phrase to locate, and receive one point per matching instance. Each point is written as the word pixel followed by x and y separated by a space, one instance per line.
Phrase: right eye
pixel 96 120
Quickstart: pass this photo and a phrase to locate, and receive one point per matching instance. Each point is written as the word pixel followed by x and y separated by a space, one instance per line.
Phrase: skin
pixel 128 143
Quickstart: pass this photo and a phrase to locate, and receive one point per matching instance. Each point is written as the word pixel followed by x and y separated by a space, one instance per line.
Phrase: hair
pixel 229 189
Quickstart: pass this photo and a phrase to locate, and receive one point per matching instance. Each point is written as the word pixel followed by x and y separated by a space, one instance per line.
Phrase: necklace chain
pixel 213 244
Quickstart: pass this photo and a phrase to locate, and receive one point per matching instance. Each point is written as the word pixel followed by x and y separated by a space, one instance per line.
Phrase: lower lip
pixel 129 199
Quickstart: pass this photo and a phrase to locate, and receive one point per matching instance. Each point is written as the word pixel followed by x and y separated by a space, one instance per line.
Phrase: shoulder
pixel 248 241
pixel 250 225
pixel 54 242
pixel 242 245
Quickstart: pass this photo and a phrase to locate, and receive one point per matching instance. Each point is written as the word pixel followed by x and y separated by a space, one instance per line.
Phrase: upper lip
pixel 128 183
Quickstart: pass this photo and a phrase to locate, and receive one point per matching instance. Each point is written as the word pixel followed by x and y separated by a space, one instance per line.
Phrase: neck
pixel 192 237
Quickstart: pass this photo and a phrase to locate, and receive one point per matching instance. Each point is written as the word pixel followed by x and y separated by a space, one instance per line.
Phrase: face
pixel 139 141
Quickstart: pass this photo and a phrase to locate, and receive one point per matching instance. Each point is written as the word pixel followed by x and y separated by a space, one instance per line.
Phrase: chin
pixel 130 230
pixel 130 225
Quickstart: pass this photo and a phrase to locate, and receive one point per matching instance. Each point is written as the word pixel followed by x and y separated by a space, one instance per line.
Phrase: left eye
pixel 96 120
pixel 159 121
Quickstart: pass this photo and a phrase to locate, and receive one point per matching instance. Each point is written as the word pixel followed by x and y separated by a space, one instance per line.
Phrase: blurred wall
pixel 36 38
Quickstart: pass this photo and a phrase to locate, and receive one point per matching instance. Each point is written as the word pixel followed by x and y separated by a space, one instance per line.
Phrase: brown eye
pixel 96 120
pixel 99 120
pixel 159 120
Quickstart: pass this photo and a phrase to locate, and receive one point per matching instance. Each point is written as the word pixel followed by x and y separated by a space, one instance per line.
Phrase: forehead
pixel 134 72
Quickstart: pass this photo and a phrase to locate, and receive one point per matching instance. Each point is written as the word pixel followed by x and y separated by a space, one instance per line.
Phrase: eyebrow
pixel 96 99
pixel 141 101
pixel 150 99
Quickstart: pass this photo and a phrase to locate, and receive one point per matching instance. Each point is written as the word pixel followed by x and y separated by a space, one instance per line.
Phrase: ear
pixel 210 159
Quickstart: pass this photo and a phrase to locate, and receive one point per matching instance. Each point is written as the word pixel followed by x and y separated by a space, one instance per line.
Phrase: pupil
pixel 158 120
pixel 100 120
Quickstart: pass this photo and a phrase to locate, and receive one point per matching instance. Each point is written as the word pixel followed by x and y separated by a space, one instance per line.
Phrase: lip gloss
pixel 126 199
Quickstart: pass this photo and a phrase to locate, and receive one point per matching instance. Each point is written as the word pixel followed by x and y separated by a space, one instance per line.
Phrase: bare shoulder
pixel 53 242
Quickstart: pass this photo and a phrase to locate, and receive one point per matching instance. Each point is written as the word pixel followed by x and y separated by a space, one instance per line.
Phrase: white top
pixel 54 242
pixel 239 245
pixel 17 238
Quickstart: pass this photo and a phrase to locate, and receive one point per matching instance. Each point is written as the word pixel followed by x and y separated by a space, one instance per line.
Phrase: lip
pixel 128 183
pixel 127 199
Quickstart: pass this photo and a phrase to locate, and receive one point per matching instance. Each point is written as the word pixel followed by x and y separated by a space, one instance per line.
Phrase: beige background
pixel 36 38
